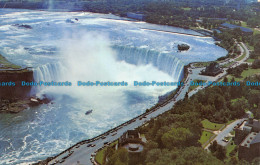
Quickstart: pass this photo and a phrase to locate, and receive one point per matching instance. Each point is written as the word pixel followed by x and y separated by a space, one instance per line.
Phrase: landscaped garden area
pixel 211 126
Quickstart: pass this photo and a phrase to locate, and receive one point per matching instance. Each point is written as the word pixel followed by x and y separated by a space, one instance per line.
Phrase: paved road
pixel 83 153
pixel 224 133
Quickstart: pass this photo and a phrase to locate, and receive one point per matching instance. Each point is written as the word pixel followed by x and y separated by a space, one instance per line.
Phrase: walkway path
pixel 225 132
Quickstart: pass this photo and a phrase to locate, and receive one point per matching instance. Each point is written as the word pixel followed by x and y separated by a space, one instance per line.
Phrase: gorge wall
pixel 10 83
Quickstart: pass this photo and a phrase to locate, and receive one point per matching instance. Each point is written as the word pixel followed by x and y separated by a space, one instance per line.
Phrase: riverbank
pixel 14 97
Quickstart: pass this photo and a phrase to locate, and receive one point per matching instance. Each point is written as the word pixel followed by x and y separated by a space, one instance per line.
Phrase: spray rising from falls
pixel 90 57
pixel 132 55
pixel 50 4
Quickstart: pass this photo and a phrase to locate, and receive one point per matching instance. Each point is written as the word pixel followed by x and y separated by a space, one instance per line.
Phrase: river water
pixel 77 46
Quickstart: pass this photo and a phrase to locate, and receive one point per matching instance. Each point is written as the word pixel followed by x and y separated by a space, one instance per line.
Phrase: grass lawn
pixel 243 56
pixel 195 86
pixel 228 64
pixel 243 24
pixel 4 63
pixel 250 60
pixel 201 64
pixel 212 126
pixel 249 72
pixel 249 46
pixel 256 32
pixel 230 148
pixel 100 156
pixel 186 8
pixel 245 73
pixel 205 137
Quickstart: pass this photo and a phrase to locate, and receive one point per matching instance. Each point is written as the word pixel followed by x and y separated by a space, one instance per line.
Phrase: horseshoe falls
pixel 96 47
pixel 142 56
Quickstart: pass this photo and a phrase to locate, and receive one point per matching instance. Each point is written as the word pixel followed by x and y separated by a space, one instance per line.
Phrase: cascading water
pixel 46 130
pixel 163 61
pixel 132 55
pixel 46 73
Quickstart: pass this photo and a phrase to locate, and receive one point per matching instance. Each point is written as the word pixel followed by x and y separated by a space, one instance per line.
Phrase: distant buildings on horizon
pixel 180 1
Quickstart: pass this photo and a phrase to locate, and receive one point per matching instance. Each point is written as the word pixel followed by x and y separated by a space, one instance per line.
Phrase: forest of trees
pixel 255 41
pixel 174 14
pixel 171 12
pixel 173 137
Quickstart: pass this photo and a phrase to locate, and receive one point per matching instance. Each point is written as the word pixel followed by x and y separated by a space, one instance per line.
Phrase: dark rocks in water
pixel 76 19
pixel 37 101
pixel 69 21
pixel 18 105
pixel 23 26
pixel 26 26
pixel 89 112
pixel 183 47
pixel 13 106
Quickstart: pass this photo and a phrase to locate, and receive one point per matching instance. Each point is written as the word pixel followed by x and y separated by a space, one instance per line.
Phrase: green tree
pixel 176 137
pixel 123 154
pixel 153 155
pixel 221 152
pixel 213 146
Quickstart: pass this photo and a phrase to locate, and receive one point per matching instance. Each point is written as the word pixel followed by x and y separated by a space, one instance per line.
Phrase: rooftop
pixel 255 124
pixel 256 139
pixel 249 139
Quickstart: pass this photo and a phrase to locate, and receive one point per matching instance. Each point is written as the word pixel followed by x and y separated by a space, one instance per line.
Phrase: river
pixel 78 46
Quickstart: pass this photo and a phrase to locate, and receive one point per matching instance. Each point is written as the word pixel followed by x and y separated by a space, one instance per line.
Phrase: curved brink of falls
pixel 132 55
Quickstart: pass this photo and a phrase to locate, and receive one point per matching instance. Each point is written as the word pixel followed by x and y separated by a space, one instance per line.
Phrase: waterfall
pixel 47 73
pixel 137 56
pixel 140 56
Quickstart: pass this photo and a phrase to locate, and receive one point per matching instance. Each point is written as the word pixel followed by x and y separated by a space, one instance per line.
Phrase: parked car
pixel 62 160
pixel 113 134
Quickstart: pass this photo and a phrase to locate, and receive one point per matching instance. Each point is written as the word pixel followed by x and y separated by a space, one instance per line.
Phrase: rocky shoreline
pixel 14 97
pixel 13 106
pixel 19 104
